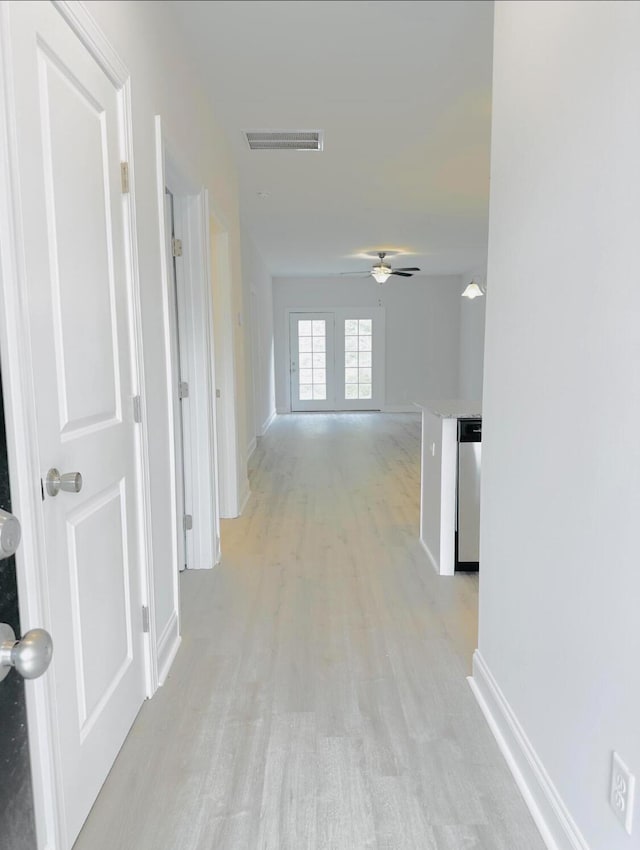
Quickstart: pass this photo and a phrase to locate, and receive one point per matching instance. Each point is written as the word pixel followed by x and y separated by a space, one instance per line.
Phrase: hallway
pixel 319 699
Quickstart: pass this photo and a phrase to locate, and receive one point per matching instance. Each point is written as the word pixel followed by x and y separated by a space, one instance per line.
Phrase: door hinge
pixel 187 522
pixel 217 393
pixel 145 619
pixel 124 177
pixel 137 408
pixel 183 390
pixel 176 247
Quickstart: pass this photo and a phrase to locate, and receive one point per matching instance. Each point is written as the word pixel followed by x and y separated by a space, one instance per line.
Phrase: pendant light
pixel 472 290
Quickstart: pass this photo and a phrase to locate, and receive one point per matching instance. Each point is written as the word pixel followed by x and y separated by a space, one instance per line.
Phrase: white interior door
pixel 312 363
pixel 69 140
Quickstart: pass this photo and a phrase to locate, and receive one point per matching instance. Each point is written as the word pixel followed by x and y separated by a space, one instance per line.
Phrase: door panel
pixel 99 600
pixel 312 365
pixel 360 359
pixel 69 137
pixel 17 828
pixel 81 247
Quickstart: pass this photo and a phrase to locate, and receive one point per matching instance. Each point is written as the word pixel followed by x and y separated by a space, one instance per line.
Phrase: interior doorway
pixel 188 308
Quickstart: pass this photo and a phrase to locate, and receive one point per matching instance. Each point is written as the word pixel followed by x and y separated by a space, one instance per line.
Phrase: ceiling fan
pixel 381 270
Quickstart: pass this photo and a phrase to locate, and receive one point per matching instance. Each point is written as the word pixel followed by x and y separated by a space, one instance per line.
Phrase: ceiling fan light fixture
pixel 472 290
pixel 381 273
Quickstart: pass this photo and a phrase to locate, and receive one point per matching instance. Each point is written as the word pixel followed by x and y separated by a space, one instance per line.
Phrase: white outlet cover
pixel 623 784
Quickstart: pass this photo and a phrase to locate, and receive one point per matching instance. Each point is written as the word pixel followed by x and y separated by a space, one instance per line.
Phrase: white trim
pixel 399 408
pixel 168 645
pixel 176 546
pixel 83 25
pixel 282 411
pixel 433 561
pixel 145 548
pixel 253 445
pixel 268 423
pixel 245 500
pixel 210 368
pixel 558 829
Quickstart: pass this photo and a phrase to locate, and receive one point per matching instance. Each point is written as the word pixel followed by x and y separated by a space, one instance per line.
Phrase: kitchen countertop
pixel 452 408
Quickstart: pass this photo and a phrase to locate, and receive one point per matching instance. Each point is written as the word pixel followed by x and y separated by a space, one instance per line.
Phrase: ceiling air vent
pixel 285 140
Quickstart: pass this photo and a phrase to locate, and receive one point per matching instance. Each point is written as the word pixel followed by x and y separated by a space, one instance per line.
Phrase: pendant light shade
pixel 472 290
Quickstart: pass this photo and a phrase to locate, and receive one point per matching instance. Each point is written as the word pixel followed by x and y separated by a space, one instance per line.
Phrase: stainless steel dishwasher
pixel 468 495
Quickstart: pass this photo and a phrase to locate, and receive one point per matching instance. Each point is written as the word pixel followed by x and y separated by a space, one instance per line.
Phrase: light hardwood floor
pixel 319 699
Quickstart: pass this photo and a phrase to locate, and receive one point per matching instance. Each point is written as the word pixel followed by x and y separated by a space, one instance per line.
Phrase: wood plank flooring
pixel 319 699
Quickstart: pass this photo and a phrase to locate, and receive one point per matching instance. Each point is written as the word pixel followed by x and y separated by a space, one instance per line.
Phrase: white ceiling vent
pixel 285 140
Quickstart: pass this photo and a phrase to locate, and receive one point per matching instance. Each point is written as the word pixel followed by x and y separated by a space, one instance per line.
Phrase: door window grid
pixel 312 358
pixel 358 374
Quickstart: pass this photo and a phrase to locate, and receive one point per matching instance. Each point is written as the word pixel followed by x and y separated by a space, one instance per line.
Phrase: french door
pixel 337 359
pixel 312 361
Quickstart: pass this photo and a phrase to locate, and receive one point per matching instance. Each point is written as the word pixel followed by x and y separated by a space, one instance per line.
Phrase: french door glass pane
pixel 312 347
pixel 358 344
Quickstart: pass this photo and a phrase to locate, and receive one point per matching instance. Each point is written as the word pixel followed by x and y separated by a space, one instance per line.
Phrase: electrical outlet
pixel 623 784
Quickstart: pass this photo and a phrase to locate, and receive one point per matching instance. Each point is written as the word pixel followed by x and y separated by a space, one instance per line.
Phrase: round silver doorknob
pixel 70 482
pixel 9 534
pixel 30 656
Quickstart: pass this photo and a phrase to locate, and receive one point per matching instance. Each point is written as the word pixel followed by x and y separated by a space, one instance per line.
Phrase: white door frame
pixel 255 344
pixel 233 482
pixel 20 410
pixel 191 210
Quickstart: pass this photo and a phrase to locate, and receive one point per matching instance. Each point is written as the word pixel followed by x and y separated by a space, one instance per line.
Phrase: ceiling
pixel 402 91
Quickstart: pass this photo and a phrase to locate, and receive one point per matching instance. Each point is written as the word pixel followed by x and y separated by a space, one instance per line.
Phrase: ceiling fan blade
pixel 346 274
pixel 402 274
pixel 408 269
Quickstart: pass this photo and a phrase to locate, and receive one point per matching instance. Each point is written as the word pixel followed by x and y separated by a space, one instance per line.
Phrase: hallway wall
pixel 560 582
pixel 163 83
pixel 258 340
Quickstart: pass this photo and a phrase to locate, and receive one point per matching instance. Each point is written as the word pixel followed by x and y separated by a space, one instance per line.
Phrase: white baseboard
pixel 282 410
pixel 168 646
pixel 400 408
pixel 434 563
pixel 253 445
pixel 558 829
pixel 267 424
pixel 245 498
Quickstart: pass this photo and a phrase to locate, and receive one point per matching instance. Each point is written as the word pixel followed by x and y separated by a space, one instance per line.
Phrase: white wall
pixel 422 330
pixel 258 330
pixel 163 83
pixel 472 320
pixel 560 583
